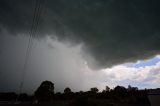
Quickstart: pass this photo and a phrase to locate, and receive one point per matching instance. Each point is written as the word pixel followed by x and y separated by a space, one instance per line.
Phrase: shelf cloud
pixel 112 32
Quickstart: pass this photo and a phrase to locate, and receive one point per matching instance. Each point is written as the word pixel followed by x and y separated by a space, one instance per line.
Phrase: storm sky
pixel 80 44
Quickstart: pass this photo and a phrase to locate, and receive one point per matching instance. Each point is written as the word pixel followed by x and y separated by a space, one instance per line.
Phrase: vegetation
pixel 45 92
pixel 110 97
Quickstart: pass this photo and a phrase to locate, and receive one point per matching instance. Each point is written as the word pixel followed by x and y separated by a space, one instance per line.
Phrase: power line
pixel 32 33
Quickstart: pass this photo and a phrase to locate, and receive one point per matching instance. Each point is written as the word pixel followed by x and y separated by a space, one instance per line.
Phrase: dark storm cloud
pixel 113 31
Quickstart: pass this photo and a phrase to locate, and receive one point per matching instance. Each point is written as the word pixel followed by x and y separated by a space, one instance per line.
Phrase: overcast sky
pixel 80 44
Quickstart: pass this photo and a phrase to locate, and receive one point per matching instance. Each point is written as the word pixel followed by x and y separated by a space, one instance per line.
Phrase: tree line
pixel 45 94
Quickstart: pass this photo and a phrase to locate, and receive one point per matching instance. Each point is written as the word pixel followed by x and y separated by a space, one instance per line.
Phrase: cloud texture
pixel 112 31
pixel 65 65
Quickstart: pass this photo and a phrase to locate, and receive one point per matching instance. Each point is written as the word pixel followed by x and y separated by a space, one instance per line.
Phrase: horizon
pixel 79 44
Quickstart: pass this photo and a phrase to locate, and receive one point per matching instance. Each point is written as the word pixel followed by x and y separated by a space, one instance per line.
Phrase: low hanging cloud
pixel 60 62
pixel 112 32
pixel 65 65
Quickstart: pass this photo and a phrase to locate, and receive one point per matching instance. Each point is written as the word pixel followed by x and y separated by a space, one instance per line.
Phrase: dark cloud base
pixel 113 31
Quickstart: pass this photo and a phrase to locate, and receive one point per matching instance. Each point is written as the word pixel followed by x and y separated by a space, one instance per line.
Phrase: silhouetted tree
pixel 45 91
pixel 120 91
pixel 107 89
pixel 67 90
pixel 132 89
pixel 94 90
pixel 104 91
